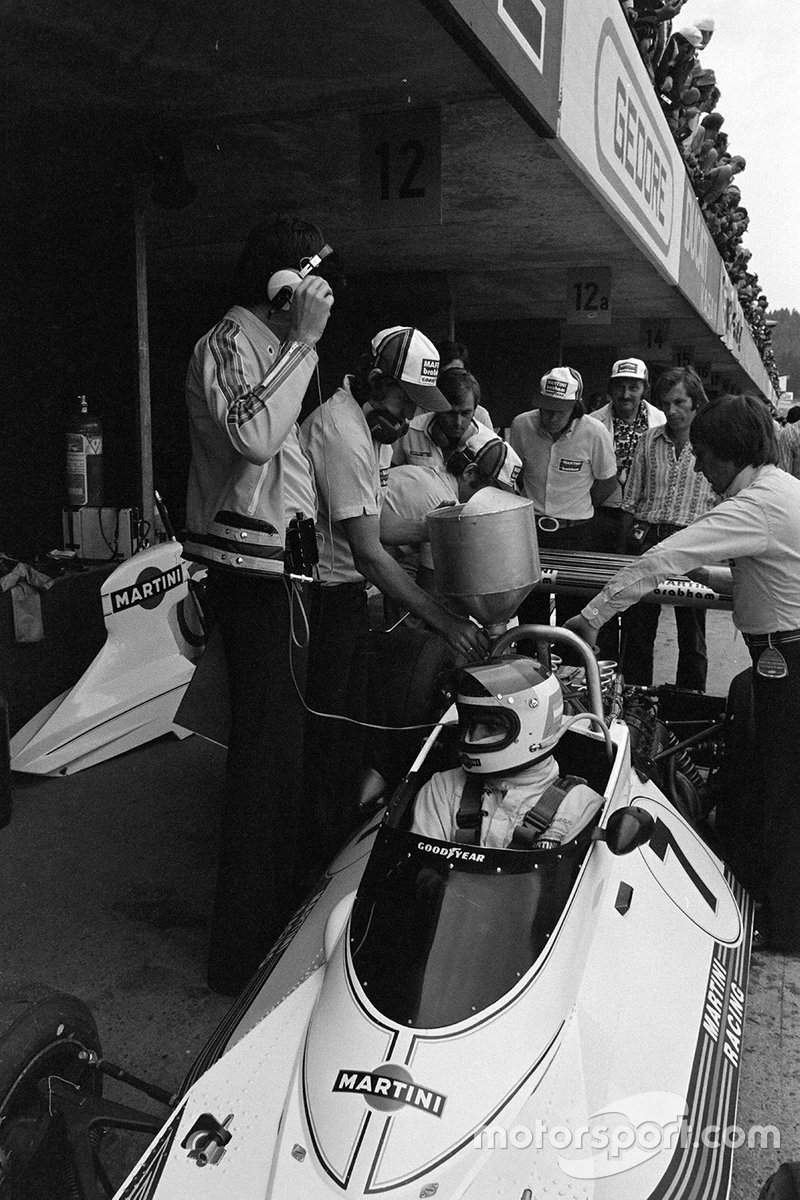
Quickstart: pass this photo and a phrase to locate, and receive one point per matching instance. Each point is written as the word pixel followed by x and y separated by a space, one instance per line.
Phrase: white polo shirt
pixel 351 472
pixel 558 475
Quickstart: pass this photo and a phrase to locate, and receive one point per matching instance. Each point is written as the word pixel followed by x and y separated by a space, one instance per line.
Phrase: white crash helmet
pixel 524 706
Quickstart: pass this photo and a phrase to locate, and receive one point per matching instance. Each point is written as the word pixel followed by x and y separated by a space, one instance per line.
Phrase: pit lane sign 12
pixel 401 168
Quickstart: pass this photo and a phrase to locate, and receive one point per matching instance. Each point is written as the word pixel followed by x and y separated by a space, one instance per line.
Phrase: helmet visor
pixel 485 731
pixel 485 728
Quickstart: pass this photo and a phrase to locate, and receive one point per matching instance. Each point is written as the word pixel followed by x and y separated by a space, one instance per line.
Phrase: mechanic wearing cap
pixel 413 491
pixel 664 493
pixel 493 466
pixel 349 440
pixel 433 436
pixel 568 468
pixel 507 791
pixel 755 527
pixel 248 478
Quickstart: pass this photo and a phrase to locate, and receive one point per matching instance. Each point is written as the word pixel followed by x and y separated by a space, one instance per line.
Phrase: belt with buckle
pixel 553 524
pixel 757 640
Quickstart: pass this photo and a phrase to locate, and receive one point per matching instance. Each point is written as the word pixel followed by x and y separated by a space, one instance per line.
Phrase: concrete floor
pixel 107 885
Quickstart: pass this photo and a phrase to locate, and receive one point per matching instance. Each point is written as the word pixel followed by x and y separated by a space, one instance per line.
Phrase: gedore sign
pixel 634 147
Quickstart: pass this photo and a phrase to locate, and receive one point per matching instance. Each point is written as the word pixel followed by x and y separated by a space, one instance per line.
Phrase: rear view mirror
pixel 626 830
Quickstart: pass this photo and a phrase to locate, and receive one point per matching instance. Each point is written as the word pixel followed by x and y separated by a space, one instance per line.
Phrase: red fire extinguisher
pixel 84 458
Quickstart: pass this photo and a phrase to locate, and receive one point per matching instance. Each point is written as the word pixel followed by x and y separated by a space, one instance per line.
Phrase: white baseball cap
pixel 559 389
pixel 629 368
pixel 497 459
pixel 413 360
pixel 692 34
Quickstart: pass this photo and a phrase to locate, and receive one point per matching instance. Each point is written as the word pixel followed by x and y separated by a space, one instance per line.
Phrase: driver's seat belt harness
pixel 470 815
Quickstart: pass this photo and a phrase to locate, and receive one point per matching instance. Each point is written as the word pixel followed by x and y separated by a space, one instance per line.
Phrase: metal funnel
pixel 485 556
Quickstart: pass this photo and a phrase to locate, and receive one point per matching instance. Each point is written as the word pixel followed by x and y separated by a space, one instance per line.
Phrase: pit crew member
pixel 432 437
pixel 569 467
pixel 349 440
pixel 244 388
pixel 413 492
pixel 757 527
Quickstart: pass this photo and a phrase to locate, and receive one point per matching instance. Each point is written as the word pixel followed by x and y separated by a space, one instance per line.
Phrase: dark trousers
pixel 640 626
pixel 608 530
pixel 776 704
pixel 535 608
pixel 337 684
pixel 257 879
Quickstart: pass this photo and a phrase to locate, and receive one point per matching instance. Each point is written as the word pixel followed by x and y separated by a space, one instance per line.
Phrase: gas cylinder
pixel 84 458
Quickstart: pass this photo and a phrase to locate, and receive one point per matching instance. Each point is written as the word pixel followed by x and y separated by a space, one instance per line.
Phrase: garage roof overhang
pixel 280 103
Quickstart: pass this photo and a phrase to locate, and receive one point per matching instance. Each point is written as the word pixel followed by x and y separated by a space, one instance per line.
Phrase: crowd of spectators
pixel 688 93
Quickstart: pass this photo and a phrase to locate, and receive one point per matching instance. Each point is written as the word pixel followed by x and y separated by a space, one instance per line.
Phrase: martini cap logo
pixel 559 389
pixel 410 358
pixel 629 368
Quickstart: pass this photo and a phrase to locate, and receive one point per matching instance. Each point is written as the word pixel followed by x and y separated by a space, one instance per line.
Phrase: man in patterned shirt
pixel 663 494
pixel 627 416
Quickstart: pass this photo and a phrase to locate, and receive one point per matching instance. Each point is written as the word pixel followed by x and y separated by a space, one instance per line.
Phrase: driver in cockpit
pixel 507 793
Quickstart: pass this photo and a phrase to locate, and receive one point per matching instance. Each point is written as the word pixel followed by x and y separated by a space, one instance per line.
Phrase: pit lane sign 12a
pixel 588 298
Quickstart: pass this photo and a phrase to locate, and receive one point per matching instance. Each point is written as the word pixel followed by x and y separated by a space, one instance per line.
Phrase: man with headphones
pixel 249 476
pixel 349 440
pixel 432 437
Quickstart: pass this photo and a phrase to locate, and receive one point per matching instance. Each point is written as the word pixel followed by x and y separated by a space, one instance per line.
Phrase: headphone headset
pixel 281 285
pixel 385 427
pixel 438 435
pixel 457 462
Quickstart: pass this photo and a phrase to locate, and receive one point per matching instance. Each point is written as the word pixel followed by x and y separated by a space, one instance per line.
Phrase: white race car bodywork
pixel 129 693
pixel 595 1073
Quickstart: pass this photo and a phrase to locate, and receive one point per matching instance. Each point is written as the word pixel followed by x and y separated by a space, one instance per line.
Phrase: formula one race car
pixel 446 1019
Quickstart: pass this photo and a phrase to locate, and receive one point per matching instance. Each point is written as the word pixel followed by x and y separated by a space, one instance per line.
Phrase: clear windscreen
pixel 440 931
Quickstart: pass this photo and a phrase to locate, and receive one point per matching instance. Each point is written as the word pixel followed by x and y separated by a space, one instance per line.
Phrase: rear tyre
pixel 42 1033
